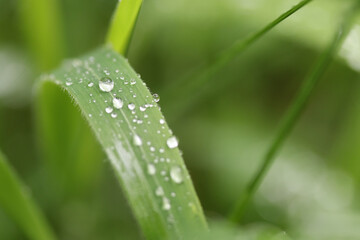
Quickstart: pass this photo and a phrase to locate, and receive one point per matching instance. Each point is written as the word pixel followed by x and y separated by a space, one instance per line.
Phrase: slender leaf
pixel 141 148
pixel 195 86
pixel 122 24
pixel 295 110
pixel 17 203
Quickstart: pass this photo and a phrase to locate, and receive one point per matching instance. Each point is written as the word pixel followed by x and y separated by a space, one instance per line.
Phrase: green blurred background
pixel 312 191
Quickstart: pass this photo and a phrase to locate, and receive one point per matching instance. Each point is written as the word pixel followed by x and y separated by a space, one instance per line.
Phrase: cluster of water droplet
pixel 123 100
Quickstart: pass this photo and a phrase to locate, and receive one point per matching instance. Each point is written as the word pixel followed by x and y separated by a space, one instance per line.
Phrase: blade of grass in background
pixel 193 87
pixel 134 135
pixel 17 203
pixel 122 25
pixel 42 26
pixel 296 109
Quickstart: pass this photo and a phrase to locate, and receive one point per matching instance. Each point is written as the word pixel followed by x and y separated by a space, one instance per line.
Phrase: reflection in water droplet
pixel 172 142
pixel 176 174
pixel 137 140
pixel 118 103
pixel 106 84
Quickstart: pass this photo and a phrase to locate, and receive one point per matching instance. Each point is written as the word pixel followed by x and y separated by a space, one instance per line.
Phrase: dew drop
pixel 132 81
pixel 118 103
pixel 172 142
pixel 151 169
pixel 159 191
pixel 114 115
pixel 108 109
pixel 68 83
pixel 166 204
pixel 156 97
pixel 91 84
pixel 131 106
pixel 176 174
pixel 162 121
pixel 137 140
pixel 106 84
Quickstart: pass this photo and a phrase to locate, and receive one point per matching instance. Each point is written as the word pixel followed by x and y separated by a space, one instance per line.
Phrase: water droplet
pixel 108 109
pixel 162 121
pixel 68 83
pixel 156 97
pixel 166 204
pixel 176 174
pixel 114 115
pixel 118 103
pixel 132 81
pixel 172 142
pixel 91 84
pixel 151 169
pixel 137 140
pixel 106 84
pixel 90 115
pixel 142 108
pixel 131 106
pixel 159 191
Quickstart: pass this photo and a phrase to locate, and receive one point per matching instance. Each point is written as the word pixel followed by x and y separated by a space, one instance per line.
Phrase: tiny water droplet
pixel 106 84
pixel 68 83
pixel 156 97
pixel 132 81
pixel 176 174
pixel 142 108
pixel 159 191
pixel 108 109
pixel 151 169
pixel 172 142
pixel 91 84
pixel 162 121
pixel 166 204
pixel 118 103
pixel 113 115
pixel 137 140
pixel 131 106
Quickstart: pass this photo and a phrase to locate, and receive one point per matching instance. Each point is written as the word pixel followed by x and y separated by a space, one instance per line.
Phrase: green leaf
pixel 123 24
pixel 17 203
pixel 140 146
pixel 295 110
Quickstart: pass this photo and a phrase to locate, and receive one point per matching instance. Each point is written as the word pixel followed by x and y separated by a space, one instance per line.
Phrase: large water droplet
pixel 151 169
pixel 106 84
pixel 118 103
pixel 137 140
pixel 176 174
pixel 131 106
pixel 156 97
pixel 166 204
pixel 172 142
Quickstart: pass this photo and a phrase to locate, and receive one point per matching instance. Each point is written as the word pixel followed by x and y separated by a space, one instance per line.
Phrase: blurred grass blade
pixel 122 24
pixel 17 203
pixel 294 112
pixel 193 87
pixel 141 148
pixel 41 23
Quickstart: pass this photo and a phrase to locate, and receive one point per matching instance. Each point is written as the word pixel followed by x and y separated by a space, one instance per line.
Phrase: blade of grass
pixel 17 203
pixel 122 25
pixel 292 116
pixel 194 86
pixel 42 26
pixel 139 144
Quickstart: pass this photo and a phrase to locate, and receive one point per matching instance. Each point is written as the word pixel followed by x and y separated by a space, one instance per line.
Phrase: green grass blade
pixel 294 113
pixel 195 86
pixel 42 26
pixel 135 138
pixel 122 25
pixel 17 203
